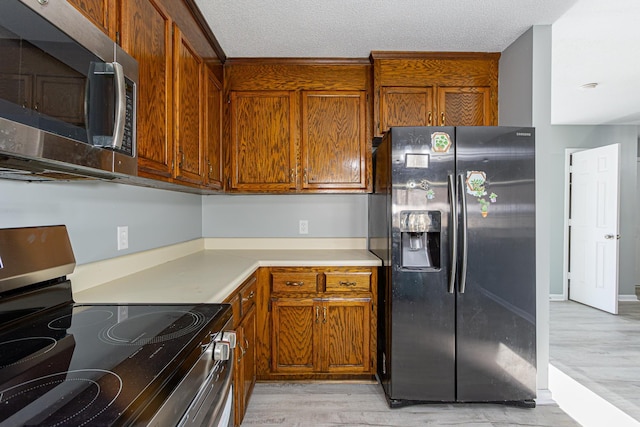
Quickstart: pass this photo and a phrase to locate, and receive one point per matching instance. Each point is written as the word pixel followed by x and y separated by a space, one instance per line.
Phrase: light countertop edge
pixel 209 276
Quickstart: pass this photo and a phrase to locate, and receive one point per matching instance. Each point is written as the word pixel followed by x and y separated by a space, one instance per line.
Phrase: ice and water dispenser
pixel 420 231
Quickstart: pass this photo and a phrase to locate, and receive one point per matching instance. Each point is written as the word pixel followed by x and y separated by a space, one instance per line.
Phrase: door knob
pixel 611 236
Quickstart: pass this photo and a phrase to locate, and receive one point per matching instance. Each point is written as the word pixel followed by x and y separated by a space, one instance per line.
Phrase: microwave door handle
pixel 121 106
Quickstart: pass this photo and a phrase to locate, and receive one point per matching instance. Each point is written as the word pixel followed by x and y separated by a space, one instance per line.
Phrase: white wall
pixel 591 137
pixel 525 79
pixel 329 215
pixel 92 211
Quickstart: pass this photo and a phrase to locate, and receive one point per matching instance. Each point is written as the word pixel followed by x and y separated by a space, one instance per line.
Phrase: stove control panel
pixel 222 345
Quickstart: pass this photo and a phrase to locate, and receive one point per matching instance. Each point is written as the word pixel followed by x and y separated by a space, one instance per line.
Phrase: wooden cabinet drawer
pixel 248 295
pixel 295 281
pixel 340 281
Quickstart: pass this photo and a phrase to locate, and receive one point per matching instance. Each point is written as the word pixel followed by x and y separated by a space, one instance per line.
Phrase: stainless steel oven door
pixel 205 391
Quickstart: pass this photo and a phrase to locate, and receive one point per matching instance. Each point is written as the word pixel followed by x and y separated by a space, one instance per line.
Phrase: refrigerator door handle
pixel 454 233
pixel 463 227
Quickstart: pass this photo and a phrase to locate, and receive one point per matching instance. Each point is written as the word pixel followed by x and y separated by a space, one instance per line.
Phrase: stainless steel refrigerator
pixel 452 217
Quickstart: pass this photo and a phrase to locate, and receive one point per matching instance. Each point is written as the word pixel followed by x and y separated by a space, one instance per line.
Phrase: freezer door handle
pixel 463 228
pixel 454 233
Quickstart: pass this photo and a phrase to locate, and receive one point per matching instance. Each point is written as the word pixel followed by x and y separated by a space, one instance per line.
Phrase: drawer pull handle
pixel 343 283
pixel 250 296
pixel 324 314
pixel 294 283
pixel 317 313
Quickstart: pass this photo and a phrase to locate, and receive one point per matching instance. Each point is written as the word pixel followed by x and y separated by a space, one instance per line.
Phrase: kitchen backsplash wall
pixel 93 210
pixel 328 215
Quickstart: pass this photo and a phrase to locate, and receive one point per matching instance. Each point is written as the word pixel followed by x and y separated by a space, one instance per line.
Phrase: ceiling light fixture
pixel 589 86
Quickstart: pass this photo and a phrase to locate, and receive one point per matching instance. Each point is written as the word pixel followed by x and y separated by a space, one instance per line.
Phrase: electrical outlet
pixel 303 226
pixel 123 237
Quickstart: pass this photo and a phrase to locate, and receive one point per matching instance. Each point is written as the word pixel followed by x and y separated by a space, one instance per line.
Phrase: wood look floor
pixel 599 350
pixel 340 404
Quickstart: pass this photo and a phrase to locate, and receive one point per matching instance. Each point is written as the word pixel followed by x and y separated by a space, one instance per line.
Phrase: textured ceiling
pixel 353 28
pixel 593 40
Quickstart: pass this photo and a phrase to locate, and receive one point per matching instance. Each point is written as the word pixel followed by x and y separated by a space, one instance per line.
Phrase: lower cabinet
pixel 243 304
pixel 320 324
pixel 245 366
pixel 321 335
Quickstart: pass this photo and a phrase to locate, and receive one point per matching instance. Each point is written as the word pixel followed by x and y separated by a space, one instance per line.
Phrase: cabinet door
pixel 245 364
pixel 333 139
pixel 464 106
pixel 188 109
pixel 406 106
pixel 345 336
pixel 263 149
pixel 249 359
pixel 213 130
pixel 146 35
pixel 295 340
pixel 101 12
pixel 238 376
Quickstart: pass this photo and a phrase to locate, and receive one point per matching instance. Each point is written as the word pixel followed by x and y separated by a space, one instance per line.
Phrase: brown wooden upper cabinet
pixel 263 148
pixel 101 12
pixel 189 110
pixel 213 130
pixel 298 125
pixel 434 89
pixel 333 139
pixel 177 92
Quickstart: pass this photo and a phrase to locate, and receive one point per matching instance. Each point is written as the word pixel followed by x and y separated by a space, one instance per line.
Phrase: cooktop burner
pixel 22 350
pixel 85 319
pixel 92 392
pixel 145 328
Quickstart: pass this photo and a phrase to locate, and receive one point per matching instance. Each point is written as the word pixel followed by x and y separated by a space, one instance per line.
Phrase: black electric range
pixel 63 363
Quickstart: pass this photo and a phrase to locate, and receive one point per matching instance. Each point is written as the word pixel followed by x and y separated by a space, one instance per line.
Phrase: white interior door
pixel 595 204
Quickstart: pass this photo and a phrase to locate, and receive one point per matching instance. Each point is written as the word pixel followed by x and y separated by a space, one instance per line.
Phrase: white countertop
pixel 209 276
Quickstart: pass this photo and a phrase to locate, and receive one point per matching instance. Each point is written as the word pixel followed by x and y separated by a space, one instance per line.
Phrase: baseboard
pixel 626 298
pixel 544 397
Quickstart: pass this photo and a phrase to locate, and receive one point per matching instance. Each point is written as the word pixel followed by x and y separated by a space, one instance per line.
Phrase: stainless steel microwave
pixel 68 95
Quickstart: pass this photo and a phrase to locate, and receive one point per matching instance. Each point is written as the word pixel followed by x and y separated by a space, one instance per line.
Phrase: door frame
pixel 564 296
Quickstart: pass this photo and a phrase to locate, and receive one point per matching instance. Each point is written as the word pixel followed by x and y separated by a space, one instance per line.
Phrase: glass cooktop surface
pixel 98 364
